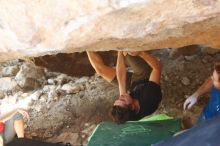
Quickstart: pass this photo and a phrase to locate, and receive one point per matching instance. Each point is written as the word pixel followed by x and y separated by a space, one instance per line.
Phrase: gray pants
pixel 9 132
pixel 141 71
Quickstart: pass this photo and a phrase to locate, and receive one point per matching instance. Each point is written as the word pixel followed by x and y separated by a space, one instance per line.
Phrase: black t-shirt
pixel 149 95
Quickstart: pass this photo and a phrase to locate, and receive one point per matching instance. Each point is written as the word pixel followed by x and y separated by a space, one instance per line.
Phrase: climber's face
pixel 123 101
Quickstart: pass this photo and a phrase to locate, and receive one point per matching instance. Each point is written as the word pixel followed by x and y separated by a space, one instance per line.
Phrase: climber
pixel 140 92
pixel 11 124
pixel 212 85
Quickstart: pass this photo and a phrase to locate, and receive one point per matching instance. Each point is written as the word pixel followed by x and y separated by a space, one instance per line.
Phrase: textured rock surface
pixel 60 116
pixel 8 84
pixel 37 27
pixel 29 76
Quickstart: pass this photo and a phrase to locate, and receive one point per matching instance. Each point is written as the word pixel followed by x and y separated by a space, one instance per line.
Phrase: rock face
pixel 8 84
pixel 29 76
pixel 36 28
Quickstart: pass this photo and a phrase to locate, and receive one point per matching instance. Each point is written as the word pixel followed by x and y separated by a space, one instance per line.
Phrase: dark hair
pixel 122 114
pixel 217 69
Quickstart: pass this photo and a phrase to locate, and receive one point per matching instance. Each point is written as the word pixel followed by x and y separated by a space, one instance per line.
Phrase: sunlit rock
pixel 37 27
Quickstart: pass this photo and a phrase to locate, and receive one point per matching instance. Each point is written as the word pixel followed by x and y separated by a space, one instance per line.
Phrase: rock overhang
pixel 36 28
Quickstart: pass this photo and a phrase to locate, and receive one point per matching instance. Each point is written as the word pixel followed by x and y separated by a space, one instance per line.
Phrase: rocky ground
pixel 67 109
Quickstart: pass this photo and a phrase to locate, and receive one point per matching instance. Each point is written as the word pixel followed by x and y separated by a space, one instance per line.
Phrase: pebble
pixel 10 71
pixel 2 95
pixel 185 81
pixel 36 95
pixel 69 89
pixel 166 78
pixel 190 58
pixel 34 134
pixel 51 81
pixel 43 98
pixel 38 108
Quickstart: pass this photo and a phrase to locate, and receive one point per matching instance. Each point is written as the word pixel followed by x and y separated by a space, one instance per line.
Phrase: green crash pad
pixel 134 133
pixel 156 117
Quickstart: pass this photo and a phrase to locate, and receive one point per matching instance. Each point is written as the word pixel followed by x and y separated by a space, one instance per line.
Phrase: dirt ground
pixel 71 117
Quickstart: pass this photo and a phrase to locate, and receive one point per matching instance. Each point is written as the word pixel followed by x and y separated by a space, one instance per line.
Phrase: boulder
pixel 28 83
pixel 30 77
pixel 72 88
pixel 8 85
pixel 36 28
pixel 10 71
pixel 36 95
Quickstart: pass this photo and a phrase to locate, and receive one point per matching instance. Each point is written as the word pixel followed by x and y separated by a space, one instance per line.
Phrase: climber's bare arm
pixel 121 73
pixel 154 64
